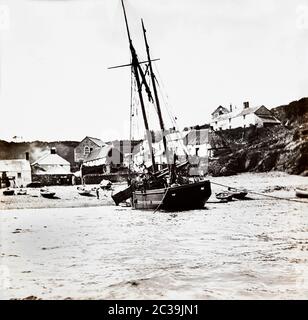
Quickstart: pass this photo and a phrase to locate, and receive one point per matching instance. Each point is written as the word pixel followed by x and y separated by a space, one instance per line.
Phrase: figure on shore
pixel 97 193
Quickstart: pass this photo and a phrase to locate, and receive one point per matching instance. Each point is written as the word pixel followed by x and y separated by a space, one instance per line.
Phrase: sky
pixel 54 59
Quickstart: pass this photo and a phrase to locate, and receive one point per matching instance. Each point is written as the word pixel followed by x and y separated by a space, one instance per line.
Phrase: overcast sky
pixel 54 58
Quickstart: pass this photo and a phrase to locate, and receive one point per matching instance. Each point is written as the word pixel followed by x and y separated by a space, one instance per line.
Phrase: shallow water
pixel 238 250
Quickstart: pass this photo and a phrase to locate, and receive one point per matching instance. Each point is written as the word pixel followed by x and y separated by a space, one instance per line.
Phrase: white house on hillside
pixel 223 118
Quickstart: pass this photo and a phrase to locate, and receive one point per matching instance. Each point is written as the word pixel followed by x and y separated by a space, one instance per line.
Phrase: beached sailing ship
pixel 167 189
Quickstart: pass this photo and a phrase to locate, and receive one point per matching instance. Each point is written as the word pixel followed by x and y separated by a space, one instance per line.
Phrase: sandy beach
pixel 66 197
pixel 253 249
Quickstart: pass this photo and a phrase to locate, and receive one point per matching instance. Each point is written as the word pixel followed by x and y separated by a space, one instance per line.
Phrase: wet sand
pixel 253 249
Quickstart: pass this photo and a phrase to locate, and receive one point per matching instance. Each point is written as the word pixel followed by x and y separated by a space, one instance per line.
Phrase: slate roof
pixel 100 153
pixel 51 159
pixel 225 110
pixel 97 141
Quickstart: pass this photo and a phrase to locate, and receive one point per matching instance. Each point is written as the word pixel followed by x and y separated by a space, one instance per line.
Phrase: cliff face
pixel 283 147
pixel 294 114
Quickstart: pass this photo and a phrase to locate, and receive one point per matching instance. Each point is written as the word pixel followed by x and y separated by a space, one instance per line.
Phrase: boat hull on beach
pixel 301 193
pixel 181 197
pixel 8 192
pixel 48 195
pixel 84 191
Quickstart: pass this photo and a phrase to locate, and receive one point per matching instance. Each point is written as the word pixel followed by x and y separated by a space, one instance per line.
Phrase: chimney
pixel 246 105
pixel 27 156
pixel 53 150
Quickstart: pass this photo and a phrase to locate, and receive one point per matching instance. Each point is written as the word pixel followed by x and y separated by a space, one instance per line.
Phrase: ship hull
pixel 182 197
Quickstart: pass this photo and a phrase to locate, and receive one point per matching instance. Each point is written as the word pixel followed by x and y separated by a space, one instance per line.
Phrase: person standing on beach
pixel 97 193
pixel 6 180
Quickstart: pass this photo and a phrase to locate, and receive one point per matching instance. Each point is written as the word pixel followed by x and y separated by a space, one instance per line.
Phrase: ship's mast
pixel 136 69
pixel 153 79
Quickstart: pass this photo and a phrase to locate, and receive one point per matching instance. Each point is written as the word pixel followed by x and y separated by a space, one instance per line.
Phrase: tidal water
pixel 253 249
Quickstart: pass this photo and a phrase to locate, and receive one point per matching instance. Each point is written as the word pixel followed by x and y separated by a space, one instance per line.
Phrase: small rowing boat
pixel 46 193
pixel 21 192
pixel 83 191
pixel 8 192
pixel 301 193
pixel 224 196
pixel 239 194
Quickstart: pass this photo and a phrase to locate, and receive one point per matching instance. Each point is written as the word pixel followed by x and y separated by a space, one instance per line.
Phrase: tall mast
pixel 161 121
pixel 136 67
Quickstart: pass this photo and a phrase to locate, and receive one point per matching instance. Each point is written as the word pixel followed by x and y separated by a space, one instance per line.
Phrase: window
pixel 244 116
pixel 229 120
pixel 197 151
pixel 86 150
pixel 19 175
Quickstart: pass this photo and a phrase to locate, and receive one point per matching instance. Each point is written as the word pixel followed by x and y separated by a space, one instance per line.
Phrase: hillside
pixel 293 114
pixel 283 147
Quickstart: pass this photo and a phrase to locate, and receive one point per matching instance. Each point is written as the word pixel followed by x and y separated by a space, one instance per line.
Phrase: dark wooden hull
pixel 122 195
pixel 85 193
pixel 48 195
pixel 182 197
pixel 8 192
pixel 300 193
pixel 239 194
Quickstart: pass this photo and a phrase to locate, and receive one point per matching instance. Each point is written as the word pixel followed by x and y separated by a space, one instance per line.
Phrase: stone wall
pixel 53 180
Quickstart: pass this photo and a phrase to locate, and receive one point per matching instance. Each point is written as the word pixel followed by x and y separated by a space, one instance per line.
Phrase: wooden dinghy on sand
pixel 301 193
pixel 21 192
pixel 83 191
pixel 239 194
pixel 224 196
pixel 8 192
pixel 46 193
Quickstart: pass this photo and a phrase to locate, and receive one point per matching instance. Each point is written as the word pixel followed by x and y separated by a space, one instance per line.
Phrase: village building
pixel 128 148
pixel 85 147
pixel 197 146
pixel 51 169
pixel 142 158
pixel 105 159
pixel 176 146
pixel 224 119
pixel 197 142
pixel 18 171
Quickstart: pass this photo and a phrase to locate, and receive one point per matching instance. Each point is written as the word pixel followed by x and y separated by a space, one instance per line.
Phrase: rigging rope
pixel 170 111
pixel 162 200
pixel 261 194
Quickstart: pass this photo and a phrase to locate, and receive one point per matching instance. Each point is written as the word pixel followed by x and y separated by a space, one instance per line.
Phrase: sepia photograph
pixel 154 150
